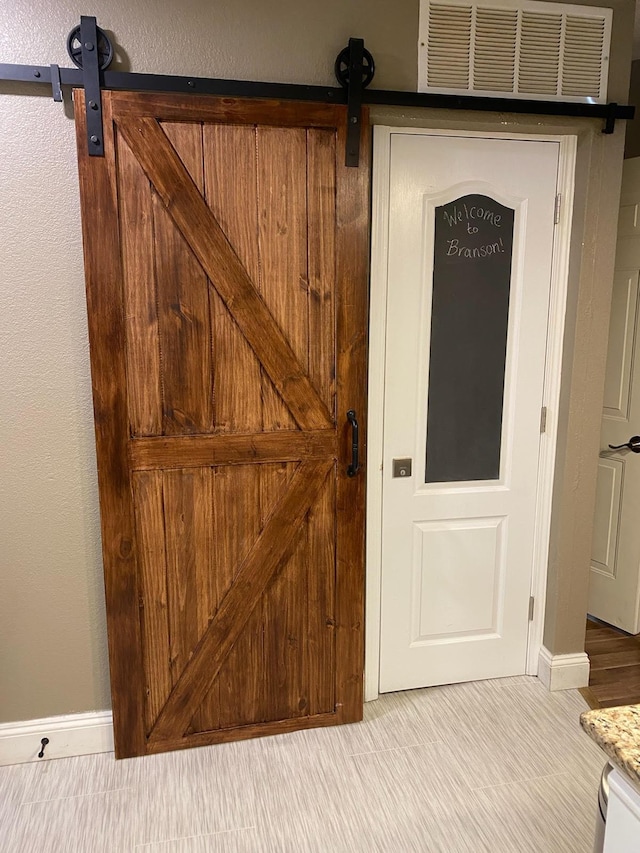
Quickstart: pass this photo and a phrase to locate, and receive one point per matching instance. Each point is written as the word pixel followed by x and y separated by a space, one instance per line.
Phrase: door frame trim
pixel 377 358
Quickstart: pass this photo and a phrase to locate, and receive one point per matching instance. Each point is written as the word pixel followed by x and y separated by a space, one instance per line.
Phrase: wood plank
pixel 200 228
pixel 604 634
pixel 282 238
pixel 238 111
pixel 286 689
pixel 612 660
pixel 238 409
pixel 200 450
pixel 615 664
pixel 191 591
pixel 619 683
pixel 138 260
pixel 269 552
pixel 321 204
pixel 237 524
pixel 105 310
pixel 352 222
pixel 183 306
pixel 629 699
pixel 607 645
pixel 321 620
pixel 275 727
pixel 152 567
pixel 237 374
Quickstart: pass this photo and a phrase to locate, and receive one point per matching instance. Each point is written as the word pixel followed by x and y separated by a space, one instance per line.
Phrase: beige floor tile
pixel 388 723
pixel 490 767
pixel 13 783
pixel 195 792
pixel 232 841
pixel 513 729
pixel 83 774
pixel 556 814
pixel 93 823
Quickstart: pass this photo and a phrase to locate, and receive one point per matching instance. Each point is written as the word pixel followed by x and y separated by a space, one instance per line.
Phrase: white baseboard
pixel 72 734
pixel 563 672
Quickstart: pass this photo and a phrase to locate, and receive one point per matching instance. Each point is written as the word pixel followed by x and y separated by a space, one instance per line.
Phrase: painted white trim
pixel 72 734
pixel 377 354
pixel 551 394
pixel 375 424
pixel 563 672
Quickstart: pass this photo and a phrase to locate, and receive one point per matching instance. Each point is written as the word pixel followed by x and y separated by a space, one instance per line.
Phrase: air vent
pixel 526 49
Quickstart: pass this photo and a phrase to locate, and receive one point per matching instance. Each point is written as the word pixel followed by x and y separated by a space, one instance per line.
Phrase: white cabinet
pixel 622 834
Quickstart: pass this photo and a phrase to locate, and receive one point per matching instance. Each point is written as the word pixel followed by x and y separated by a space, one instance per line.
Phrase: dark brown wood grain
pixel 152 579
pixel 352 211
pixel 227 320
pixel 226 735
pixel 321 533
pixel 144 376
pixel 227 274
pixel 614 676
pixel 183 306
pixel 238 404
pixel 236 381
pixel 236 449
pixel 105 310
pixel 282 239
pixel 271 550
pixel 321 274
pixel 232 111
pixel 239 685
pixel 320 640
pixel 191 591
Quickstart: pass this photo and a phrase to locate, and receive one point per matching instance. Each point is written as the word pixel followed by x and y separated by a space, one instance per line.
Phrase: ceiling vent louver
pixel 526 49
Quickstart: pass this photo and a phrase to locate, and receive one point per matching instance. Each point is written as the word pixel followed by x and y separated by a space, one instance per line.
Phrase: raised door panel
pixel 622 329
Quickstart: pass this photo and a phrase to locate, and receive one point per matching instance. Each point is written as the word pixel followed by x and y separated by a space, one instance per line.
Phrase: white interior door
pixel 614 591
pixel 471 229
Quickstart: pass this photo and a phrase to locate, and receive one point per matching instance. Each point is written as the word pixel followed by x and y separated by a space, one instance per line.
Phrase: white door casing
pixel 614 588
pixel 453 606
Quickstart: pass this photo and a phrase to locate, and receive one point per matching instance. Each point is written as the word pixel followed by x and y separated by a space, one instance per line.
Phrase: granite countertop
pixel 617 731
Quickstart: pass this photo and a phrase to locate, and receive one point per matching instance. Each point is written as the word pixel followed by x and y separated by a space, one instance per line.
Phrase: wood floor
pixel 615 666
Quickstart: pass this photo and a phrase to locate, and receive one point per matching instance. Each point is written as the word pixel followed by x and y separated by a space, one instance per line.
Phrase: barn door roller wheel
pixel 354 69
pixel 342 67
pixel 105 48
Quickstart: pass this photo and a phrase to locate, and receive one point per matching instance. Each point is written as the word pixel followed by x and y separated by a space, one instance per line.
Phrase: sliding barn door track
pixel 91 51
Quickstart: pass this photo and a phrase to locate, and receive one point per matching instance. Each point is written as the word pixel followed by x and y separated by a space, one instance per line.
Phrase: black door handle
pixel 352 470
pixel 633 444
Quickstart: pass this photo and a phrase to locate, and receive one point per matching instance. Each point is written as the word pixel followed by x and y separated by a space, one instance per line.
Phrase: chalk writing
pixel 473 247
pixel 474 212
pixel 475 251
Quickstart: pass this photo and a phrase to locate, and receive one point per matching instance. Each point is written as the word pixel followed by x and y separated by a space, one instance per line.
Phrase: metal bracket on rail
pixel 354 70
pixel 56 85
pixel 610 118
pixel 92 52
pixel 90 49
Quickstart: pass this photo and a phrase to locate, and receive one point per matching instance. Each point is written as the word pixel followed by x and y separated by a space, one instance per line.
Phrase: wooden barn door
pixel 226 269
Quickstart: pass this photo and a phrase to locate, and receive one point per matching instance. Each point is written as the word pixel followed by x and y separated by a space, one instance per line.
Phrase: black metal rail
pixel 357 73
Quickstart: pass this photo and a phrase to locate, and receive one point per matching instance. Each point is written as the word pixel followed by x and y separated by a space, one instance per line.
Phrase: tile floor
pixel 499 766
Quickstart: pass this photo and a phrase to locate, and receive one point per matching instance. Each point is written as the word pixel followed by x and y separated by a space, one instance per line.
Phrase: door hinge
pixel 556 209
pixel 543 419
pixel 532 602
